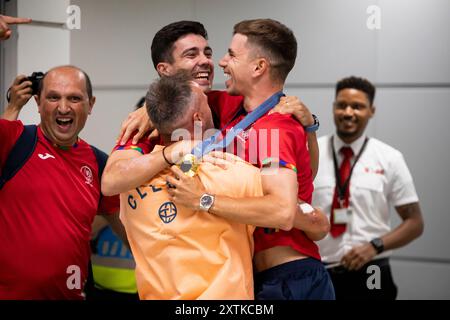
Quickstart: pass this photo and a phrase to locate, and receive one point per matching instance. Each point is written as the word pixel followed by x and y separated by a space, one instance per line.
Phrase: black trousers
pixel 372 282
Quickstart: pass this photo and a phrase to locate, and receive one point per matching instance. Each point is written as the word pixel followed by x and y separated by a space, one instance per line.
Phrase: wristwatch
pixel 315 126
pixel 377 243
pixel 206 202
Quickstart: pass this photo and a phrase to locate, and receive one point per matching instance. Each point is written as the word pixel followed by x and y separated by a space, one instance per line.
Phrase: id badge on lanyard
pixel 342 215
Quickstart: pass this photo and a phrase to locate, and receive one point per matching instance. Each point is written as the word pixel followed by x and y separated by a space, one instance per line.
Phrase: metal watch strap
pixel 206 206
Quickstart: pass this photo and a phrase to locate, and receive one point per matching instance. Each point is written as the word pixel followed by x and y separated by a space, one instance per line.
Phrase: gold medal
pixel 189 165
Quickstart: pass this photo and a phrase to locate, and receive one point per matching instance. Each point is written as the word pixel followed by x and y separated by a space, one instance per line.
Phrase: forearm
pixel 276 209
pixel 315 224
pixel 313 149
pixel 265 211
pixel 98 224
pixel 406 232
pixel 11 113
pixel 117 227
pixel 122 175
pixel 410 228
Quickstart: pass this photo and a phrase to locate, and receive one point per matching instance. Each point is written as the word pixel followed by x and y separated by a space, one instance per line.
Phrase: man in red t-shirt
pixel 48 206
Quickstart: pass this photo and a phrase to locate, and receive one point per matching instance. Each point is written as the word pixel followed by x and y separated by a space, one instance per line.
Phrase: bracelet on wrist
pixel 315 126
pixel 164 156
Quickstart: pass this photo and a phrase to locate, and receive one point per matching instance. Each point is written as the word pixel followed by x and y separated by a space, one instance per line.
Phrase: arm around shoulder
pixel 128 169
pixel 276 209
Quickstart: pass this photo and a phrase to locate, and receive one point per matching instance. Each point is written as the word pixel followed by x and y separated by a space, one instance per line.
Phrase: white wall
pixel 39 47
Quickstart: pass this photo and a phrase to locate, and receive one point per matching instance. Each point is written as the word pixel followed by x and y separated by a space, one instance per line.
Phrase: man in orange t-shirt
pixel 182 253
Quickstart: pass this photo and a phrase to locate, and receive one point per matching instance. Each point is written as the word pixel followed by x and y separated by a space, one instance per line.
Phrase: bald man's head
pixel 87 80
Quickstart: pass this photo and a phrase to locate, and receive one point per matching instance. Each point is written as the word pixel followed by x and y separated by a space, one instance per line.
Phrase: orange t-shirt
pixel 185 254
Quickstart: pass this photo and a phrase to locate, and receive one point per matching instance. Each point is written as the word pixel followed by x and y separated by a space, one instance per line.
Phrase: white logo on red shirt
pixel 45 156
pixel 244 135
pixel 87 173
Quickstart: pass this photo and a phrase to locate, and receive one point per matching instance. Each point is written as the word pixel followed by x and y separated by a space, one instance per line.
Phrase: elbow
pixel 107 186
pixel 324 226
pixel 107 189
pixel 320 231
pixel 287 218
pixel 316 236
pixel 416 227
pixel 317 226
pixel 420 228
pixel 321 223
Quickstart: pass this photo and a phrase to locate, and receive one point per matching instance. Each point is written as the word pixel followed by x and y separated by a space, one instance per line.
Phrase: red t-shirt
pixel 46 214
pixel 273 139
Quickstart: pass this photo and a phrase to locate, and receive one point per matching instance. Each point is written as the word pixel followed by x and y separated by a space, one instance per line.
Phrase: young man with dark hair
pixel 163 42
pixel 358 180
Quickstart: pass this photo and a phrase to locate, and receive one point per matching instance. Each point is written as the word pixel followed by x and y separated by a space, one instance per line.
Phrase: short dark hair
pixel 357 83
pixel 274 40
pixel 86 78
pixel 168 99
pixel 162 44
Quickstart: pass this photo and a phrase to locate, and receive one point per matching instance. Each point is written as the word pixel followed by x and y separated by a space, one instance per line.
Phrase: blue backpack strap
pixel 20 153
pixel 101 162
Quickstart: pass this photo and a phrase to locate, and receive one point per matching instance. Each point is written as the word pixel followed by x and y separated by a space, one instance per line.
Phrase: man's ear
pixel 261 65
pixel 197 122
pixel 196 116
pixel 36 98
pixel 91 104
pixel 164 68
pixel 372 110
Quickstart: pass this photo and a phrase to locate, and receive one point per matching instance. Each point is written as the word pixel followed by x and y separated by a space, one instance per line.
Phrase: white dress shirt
pixel 380 179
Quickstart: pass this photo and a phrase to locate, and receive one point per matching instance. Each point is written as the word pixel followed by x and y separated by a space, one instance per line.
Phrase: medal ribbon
pixel 210 144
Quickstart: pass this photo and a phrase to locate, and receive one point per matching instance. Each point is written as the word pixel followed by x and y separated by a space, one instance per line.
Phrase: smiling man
pixel 358 180
pixel 183 45
pixel 48 206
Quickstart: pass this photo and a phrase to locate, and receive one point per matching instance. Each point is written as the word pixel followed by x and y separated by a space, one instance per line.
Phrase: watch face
pixel 378 244
pixel 206 201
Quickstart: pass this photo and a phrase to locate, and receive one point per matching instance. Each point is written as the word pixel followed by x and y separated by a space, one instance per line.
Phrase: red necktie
pixel 344 172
